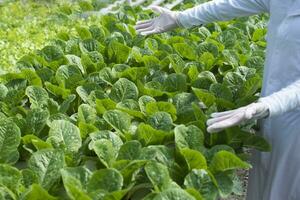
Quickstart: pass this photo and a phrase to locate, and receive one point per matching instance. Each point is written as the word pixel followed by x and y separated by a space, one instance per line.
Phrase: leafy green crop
pixel 36 23
pixel 108 114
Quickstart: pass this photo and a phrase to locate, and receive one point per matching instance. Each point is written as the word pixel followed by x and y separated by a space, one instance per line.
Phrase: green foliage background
pixel 91 110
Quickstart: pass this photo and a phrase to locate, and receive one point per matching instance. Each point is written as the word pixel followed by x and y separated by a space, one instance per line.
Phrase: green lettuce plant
pixel 109 114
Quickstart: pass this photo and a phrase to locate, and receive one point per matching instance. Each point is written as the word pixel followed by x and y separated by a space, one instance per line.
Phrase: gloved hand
pixel 222 120
pixel 167 20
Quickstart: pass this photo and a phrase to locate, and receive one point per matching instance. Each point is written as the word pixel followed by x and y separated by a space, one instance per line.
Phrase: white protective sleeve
pixel 286 99
pixel 221 10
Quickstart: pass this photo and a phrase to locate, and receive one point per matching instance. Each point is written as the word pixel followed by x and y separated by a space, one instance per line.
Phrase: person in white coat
pixel 275 175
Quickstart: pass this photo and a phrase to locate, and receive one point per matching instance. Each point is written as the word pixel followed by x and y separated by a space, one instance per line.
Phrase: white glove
pixel 165 22
pixel 222 120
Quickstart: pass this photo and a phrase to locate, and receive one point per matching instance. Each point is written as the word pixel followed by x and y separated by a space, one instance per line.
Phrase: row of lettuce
pixel 104 113
pixel 34 23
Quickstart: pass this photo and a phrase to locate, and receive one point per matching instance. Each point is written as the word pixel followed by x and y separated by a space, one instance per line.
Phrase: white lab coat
pixel 276 174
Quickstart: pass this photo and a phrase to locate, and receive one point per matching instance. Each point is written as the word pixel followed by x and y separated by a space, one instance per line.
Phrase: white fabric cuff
pixel 192 17
pixel 268 103
pixel 285 100
pixel 184 20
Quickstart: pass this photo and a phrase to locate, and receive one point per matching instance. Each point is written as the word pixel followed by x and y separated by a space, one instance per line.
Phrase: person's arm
pixel 216 10
pixel 285 100
pixel 221 10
